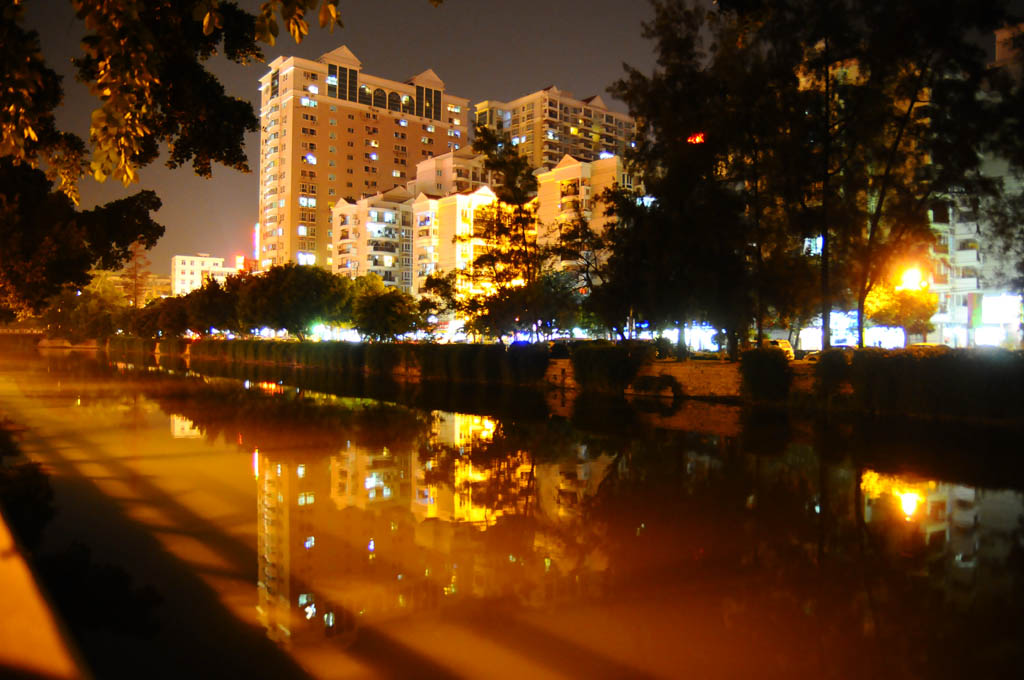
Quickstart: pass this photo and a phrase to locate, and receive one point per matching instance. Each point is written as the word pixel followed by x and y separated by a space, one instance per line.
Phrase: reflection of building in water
pixel 365 533
pixel 291 507
pixel 475 493
pixel 563 486
pixel 183 428
pixel 968 533
pixel 364 478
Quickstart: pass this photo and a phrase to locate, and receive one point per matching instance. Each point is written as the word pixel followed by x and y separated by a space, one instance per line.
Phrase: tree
pixel 138 274
pixel 295 297
pixel 387 314
pixel 685 249
pixel 146 63
pixel 46 244
pixel 841 119
pixel 210 306
pixel 91 313
pixel 910 310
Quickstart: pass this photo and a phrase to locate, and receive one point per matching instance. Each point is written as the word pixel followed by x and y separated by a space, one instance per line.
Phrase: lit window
pixel 302 232
pixel 309 158
pixel 403 122
pixel 309 542
pixel 309 103
pixel 313 89
pixel 428 128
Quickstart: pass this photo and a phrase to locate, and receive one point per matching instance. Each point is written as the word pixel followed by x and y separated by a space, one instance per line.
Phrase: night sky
pixel 481 49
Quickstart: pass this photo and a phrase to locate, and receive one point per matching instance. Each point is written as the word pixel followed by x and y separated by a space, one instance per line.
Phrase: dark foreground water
pixel 221 527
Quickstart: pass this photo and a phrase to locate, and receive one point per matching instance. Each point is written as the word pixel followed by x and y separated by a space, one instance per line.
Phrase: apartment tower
pixel 550 123
pixel 329 131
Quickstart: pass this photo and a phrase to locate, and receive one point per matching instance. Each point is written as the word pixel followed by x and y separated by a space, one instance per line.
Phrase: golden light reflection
pixel 910 494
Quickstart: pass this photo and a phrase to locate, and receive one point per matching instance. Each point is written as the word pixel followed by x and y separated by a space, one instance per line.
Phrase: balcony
pixel 966 257
pixel 965 283
pixel 381 247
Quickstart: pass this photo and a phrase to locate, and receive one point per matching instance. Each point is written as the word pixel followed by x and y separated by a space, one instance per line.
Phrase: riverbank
pixel 982 385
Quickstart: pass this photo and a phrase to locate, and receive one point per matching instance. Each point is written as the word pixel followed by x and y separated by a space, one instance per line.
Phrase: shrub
pixel 831 371
pixel 527 364
pixel 766 374
pixel 604 367
pixel 491 365
pixel 982 383
pixel 433 362
pixel 382 358
pixel 656 384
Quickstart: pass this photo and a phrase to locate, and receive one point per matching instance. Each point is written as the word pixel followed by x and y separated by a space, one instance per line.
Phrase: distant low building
pixel 189 272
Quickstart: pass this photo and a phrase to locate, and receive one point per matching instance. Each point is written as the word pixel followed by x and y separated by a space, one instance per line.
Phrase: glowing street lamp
pixel 912 280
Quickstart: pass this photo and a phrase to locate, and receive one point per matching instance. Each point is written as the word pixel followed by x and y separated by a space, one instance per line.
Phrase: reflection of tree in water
pixel 292 420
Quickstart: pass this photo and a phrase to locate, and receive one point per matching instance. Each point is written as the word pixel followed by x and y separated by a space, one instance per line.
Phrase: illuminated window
pixel 403 122
pixel 302 232
pixel 309 158
pixel 313 89
pixel 309 542
pixel 309 103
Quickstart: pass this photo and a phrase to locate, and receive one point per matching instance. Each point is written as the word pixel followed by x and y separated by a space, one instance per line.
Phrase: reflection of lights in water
pixel 909 493
pixel 329 619
pixel 256 463
pixel 310 611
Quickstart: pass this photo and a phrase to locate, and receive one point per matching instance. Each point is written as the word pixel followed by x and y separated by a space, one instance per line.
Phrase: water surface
pixel 288 531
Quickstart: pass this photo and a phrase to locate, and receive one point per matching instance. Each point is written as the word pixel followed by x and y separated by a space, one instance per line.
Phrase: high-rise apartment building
pixel 550 123
pixel 329 131
pixel 374 235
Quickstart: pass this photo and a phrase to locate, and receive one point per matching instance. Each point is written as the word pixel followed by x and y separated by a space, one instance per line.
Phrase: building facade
pixel 572 190
pixel 374 235
pixel 550 123
pixel 189 272
pixel 329 132
pixel 455 171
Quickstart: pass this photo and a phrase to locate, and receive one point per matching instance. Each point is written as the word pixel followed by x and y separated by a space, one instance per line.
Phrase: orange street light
pixel 912 280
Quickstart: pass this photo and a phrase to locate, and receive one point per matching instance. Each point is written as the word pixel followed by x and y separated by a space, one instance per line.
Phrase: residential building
pixel 453 241
pixel 969 271
pixel 329 132
pixel 375 235
pixel 189 272
pixel 572 190
pixel 550 123
pixel 458 170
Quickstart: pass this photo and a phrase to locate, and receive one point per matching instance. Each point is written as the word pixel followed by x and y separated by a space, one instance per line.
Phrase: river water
pixel 262 526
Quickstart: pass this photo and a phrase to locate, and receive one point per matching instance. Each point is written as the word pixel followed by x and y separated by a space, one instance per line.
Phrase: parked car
pixel 815 355
pixel 780 344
